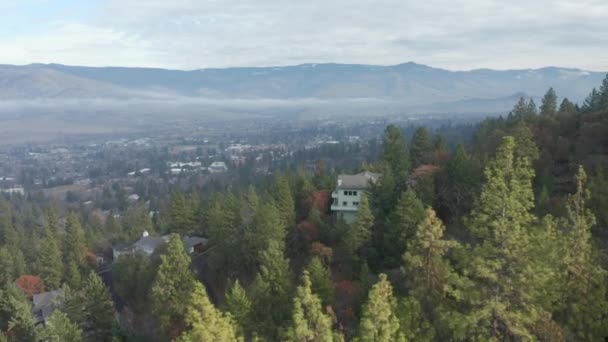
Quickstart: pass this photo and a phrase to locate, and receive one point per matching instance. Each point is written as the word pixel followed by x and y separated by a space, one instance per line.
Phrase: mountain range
pixel 410 84
pixel 41 102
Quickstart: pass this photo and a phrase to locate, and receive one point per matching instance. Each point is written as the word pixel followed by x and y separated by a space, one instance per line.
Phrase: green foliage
pixel 309 322
pixel 60 328
pixel 91 308
pixel 284 201
pixel 396 156
pixel 426 264
pixel 412 323
pixel 586 303
pixel 74 248
pixel 205 322
pixel 173 285
pixel 505 278
pixel 549 104
pixel 272 289
pixel 51 264
pixel 239 306
pixel 135 221
pixel 379 321
pixel 321 281
pixel 133 276
pixel 401 227
pixel 16 315
pixel 360 232
pixel 421 149
pixel 181 214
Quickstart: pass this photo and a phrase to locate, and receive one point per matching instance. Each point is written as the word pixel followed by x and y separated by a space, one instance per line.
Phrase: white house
pixel 347 196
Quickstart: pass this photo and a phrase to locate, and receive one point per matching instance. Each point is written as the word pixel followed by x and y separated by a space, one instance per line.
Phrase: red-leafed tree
pixel 30 285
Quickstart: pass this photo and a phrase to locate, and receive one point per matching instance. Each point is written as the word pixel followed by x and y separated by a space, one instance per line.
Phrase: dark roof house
pixel 44 304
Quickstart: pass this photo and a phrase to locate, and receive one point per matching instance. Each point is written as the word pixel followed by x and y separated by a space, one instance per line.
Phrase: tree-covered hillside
pixel 502 239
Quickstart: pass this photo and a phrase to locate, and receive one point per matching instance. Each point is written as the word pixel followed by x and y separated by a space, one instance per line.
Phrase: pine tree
pixel 361 230
pixel 204 322
pixel 525 147
pixel 309 322
pixel 401 227
pixel 59 328
pixel 505 278
pixel 592 102
pixel 425 261
pixel 272 289
pixel 396 156
pixel 173 285
pixel 7 273
pixel 420 150
pixel 180 216
pixel 412 323
pixel 16 315
pixel 321 281
pixel 603 95
pixel 285 201
pixel 567 107
pixel 74 246
pixel 549 105
pixel 379 321
pixel 91 308
pixel 520 110
pixel 586 303
pixel 51 264
pixel 239 306
pixel 532 110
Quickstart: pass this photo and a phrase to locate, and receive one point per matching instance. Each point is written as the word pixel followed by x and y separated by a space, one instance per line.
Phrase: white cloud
pixel 459 34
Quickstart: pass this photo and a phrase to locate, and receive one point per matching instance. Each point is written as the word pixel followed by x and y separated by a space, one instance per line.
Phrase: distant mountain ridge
pixel 411 84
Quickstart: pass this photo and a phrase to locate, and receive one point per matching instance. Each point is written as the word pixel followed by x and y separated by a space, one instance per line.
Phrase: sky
pixel 194 34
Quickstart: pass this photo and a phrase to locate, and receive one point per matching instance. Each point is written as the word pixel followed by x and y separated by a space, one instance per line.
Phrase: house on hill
pixel 149 244
pixel 44 304
pixel 347 196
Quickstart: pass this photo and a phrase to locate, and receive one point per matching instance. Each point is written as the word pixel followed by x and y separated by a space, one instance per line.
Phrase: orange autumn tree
pixel 30 285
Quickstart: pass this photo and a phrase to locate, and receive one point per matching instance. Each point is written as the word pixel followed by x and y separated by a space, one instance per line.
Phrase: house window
pixel 345 193
pixel 345 203
pixel 354 193
pixel 356 204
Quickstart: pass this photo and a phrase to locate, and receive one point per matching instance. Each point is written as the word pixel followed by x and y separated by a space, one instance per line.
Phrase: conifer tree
pixel 309 322
pixel 74 246
pixel 272 289
pixel 361 230
pixel 504 276
pixel 567 107
pixel 396 156
pixel 91 308
pixel 239 306
pixel 51 264
pixel 205 322
pixel 420 150
pixel 180 215
pixel 532 110
pixel 321 282
pixel 379 321
pixel 72 275
pixel 59 328
pixel 425 261
pixel 586 303
pixel 16 315
pixel 285 201
pixel 549 104
pixel 412 322
pixel 592 102
pixel 401 227
pixel 173 285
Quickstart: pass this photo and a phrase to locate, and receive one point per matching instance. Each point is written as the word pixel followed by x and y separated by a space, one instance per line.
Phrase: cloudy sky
pixel 192 34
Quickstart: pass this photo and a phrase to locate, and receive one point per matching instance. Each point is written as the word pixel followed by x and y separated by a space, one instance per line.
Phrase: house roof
pixel 151 242
pixel 358 181
pixel 191 241
pixel 44 305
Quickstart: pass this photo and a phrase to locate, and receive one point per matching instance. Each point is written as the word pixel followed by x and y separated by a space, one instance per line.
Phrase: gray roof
pixel 358 181
pixel 191 241
pixel 151 242
pixel 44 305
